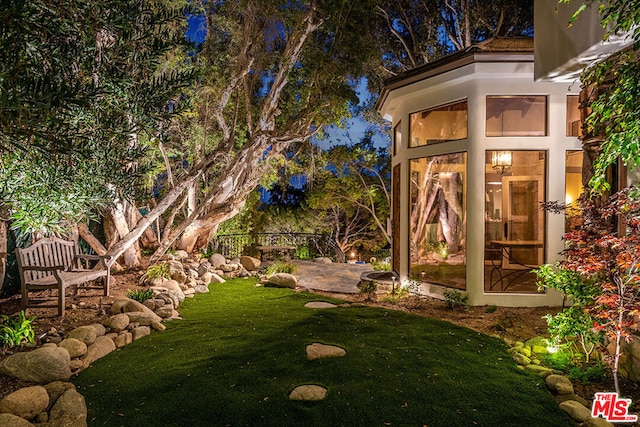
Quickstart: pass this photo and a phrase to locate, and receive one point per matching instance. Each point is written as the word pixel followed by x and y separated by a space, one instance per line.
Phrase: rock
pixel 521 359
pixel 100 329
pixel 284 280
pixel 167 257
pixel 215 278
pixel 123 339
pixel 42 365
pixel 26 402
pixel 319 304
pixel 250 263
pixel 179 255
pixel 165 311
pixel 86 334
pixel 118 322
pixel 201 289
pixel 189 292
pixel 192 274
pixel 526 351
pixel 227 268
pixel 144 319
pixel 191 283
pixel 321 351
pixel 10 420
pixel 178 276
pixel 127 305
pixel 308 393
pixel 76 365
pixel 98 349
pixel 564 397
pixel 203 268
pixel 559 384
pixel 75 347
pixel 150 304
pixel 140 331
pixel 57 389
pixel 206 277
pixel 575 410
pixel 70 410
pixel 537 368
pixel 322 260
pixel 158 326
pixel 171 285
pixel 217 260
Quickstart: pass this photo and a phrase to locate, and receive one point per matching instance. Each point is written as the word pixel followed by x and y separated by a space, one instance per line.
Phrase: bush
pixel 587 375
pixel 14 332
pixel 455 299
pixel 381 265
pixel 157 271
pixel 280 267
pixel 368 288
pixel 140 295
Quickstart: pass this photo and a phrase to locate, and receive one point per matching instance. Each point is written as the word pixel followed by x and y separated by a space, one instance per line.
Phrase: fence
pixel 308 246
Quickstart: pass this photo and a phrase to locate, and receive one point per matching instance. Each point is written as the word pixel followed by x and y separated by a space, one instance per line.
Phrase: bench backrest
pixel 45 253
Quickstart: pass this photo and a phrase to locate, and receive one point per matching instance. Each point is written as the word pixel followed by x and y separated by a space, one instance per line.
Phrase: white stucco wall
pixel 474 82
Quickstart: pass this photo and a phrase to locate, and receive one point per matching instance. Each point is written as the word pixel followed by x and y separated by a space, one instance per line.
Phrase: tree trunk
pixel 3 252
pixel 95 244
pixel 131 255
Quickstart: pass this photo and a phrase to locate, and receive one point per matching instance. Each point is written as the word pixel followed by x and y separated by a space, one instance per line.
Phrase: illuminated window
pixel 444 123
pixel 574 125
pixel 516 116
pixel 572 189
pixel 437 220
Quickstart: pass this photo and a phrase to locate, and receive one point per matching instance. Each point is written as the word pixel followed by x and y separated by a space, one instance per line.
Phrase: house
pixel 478 146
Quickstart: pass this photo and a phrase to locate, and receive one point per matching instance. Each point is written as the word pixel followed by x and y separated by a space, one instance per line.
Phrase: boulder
pixel 559 384
pixel 98 349
pixel 250 263
pixel 179 276
pixel 150 304
pixel 57 389
pixel 171 285
pixel 100 329
pixel 322 260
pixel 86 334
pixel 201 289
pixel 42 365
pixel 215 278
pixel 158 326
pixel 76 348
pixel 140 331
pixel 308 393
pixel 179 255
pixel 26 402
pixel 10 420
pixel 319 304
pixel 70 410
pixel 123 339
pixel 228 268
pixel 217 260
pixel 284 280
pixel 206 277
pixel 575 410
pixel 118 322
pixel 564 397
pixel 203 268
pixel 322 351
pixel 144 319
pixel 164 311
pixel 130 306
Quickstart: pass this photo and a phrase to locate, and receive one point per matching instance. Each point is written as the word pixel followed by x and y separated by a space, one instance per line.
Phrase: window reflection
pixel 516 116
pixel 439 124
pixel 437 219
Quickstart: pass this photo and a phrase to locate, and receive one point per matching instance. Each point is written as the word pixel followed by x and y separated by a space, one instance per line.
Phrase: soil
pixel 518 324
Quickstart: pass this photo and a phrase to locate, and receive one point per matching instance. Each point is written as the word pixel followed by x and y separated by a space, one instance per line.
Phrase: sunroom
pixel 478 148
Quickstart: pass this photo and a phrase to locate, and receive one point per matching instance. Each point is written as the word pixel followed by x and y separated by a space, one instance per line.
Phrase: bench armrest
pixel 103 260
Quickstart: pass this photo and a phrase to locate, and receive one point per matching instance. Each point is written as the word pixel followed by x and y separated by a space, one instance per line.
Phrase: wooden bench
pixel 265 250
pixel 55 263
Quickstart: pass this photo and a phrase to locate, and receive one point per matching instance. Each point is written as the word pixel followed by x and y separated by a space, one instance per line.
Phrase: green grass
pixel 240 350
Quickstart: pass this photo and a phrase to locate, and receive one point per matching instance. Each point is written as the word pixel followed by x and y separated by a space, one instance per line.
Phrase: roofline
pixel 449 63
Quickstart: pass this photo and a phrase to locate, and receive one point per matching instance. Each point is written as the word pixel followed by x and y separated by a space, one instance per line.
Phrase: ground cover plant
pixel 241 349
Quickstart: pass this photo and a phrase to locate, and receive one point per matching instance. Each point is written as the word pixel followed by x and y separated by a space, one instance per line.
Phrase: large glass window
pixel 574 125
pixel 573 188
pixel 514 220
pixel 437 219
pixel 397 138
pixel 444 123
pixel 516 115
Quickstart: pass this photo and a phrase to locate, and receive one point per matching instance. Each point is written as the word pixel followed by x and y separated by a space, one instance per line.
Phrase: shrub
pixel 381 265
pixel 491 308
pixel 587 375
pixel 368 288
pixel 14 332
pixel 455 299
pixel 157 271
pixel 140 295
pixel 280 267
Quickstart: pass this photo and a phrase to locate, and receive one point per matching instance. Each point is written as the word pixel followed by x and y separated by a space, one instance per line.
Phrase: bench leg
pixel 25 298
pixel 61 302
pixel 106 281
pixel 287 256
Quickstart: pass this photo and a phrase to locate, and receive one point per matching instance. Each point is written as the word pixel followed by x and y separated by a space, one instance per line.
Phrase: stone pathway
pixel 315 351
pixel 336 277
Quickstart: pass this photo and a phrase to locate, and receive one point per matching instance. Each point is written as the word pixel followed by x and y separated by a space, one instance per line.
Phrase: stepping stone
pixel 322 351
pixel 308 393
pixel 319 304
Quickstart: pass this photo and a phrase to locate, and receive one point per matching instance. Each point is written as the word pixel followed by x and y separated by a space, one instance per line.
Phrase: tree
pixel 273 74
pixel 352 193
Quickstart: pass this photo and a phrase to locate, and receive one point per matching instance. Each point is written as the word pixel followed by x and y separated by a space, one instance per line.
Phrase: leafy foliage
pixel 157 271
pixel 15 331
pixel 455 299
pixel 140 295
pixel 280 267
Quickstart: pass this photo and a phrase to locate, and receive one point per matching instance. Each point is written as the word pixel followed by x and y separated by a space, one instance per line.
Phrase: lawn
pixel 241 349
